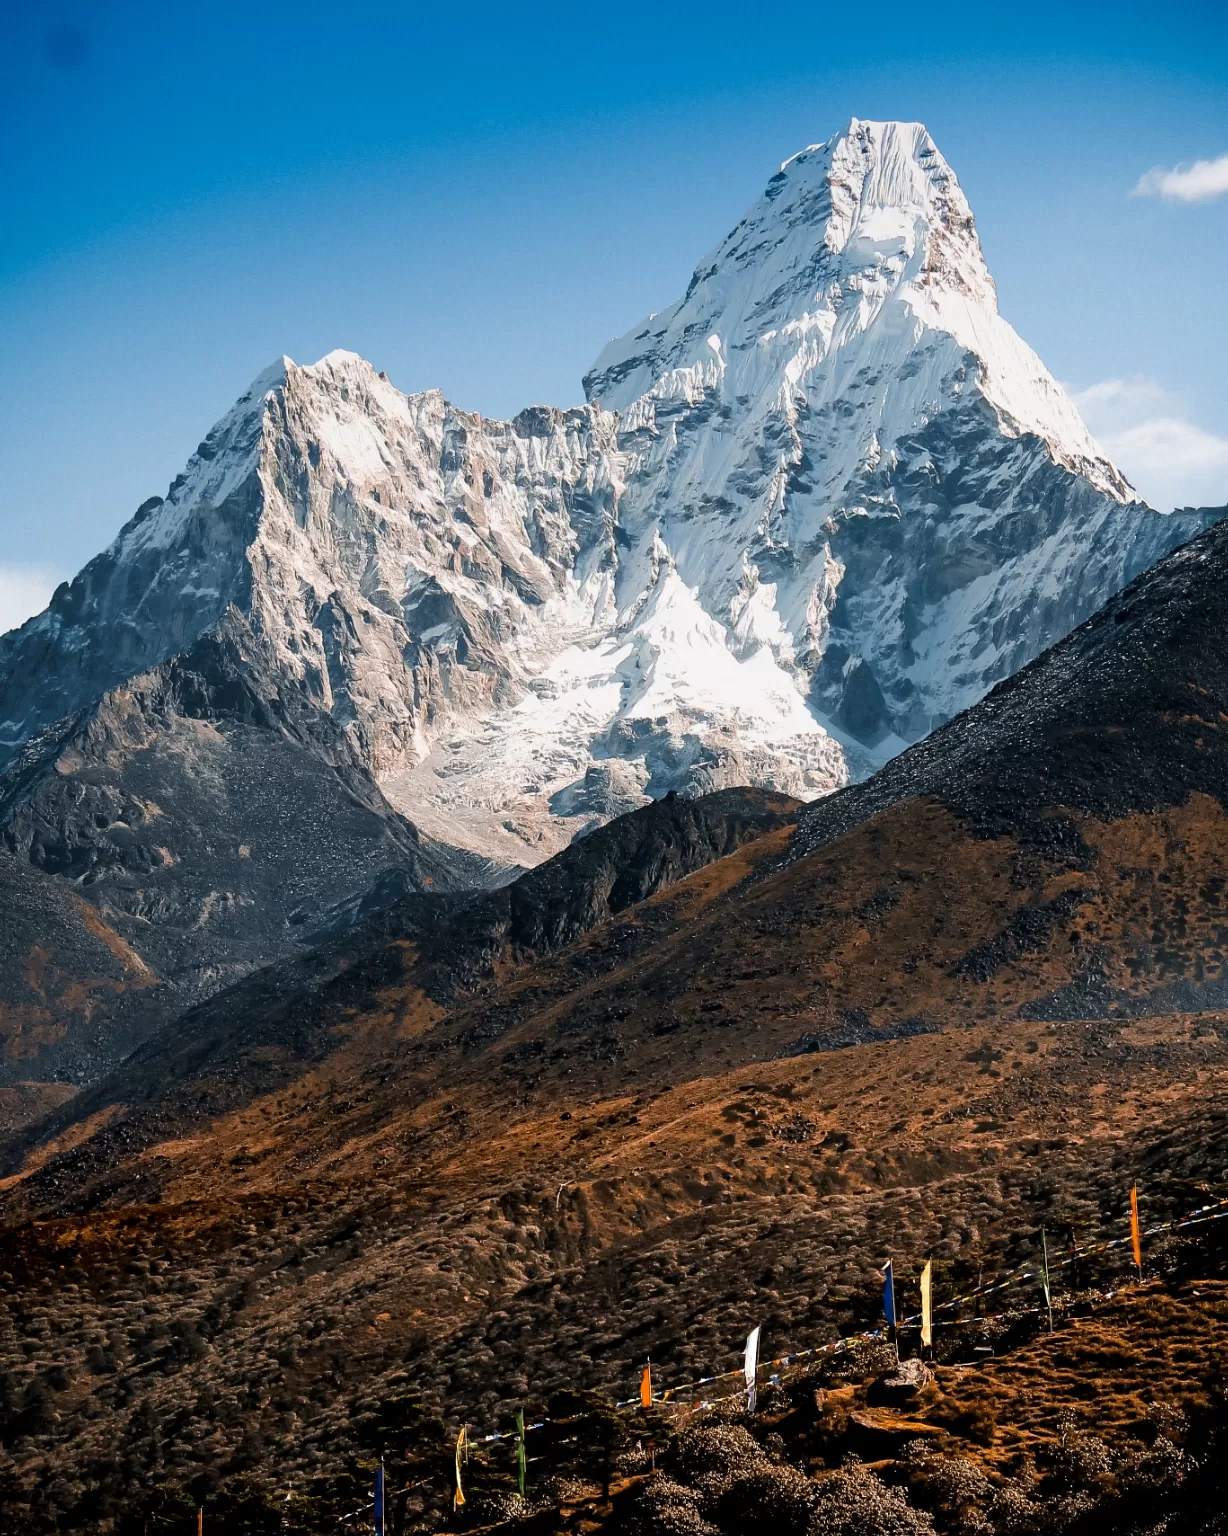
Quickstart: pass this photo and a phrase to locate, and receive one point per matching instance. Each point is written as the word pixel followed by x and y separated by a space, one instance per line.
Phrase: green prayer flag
pixel 520 1456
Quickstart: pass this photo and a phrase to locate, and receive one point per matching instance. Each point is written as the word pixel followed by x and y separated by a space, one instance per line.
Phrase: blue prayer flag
pixel 889 1294
pixel 379 1500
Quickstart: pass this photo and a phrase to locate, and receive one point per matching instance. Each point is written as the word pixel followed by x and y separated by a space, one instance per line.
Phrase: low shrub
pixel 663 1507
pixel 855 1502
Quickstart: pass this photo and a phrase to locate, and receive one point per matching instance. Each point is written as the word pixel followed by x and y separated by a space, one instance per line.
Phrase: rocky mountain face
pixel 166 839
pixel 393 562
pixel 810 511
pixel 1052 854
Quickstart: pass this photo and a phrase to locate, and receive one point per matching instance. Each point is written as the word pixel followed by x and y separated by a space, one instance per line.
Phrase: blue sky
pixel 478 198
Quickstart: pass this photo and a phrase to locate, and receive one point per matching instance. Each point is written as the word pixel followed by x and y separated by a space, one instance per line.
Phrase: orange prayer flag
pixel 1135 1236
pixel 646 1387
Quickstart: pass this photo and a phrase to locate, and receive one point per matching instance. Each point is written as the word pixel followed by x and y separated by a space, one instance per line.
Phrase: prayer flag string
pixel 1216 1211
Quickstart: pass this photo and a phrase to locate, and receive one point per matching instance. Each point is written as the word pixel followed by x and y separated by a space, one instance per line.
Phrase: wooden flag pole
pixel 893 1333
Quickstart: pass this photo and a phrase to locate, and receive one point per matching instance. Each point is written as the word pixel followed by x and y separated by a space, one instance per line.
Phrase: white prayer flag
pixel 927 1305
pixel 750 1367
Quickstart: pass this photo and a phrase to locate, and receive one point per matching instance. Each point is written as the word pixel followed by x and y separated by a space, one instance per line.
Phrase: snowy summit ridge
pixel 815 507
pixel 856 249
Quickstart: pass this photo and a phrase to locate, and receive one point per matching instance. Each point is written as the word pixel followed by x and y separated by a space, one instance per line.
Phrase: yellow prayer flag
pixel 1135 1235
pixel 458 1498
pixel 646 1387
pixel 927 1308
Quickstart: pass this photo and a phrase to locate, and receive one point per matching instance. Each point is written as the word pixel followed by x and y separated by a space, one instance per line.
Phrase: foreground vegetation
pixel 1115 1423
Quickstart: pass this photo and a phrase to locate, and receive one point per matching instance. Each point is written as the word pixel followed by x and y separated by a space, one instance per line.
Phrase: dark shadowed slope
pixel 189 814
pixel 268 1029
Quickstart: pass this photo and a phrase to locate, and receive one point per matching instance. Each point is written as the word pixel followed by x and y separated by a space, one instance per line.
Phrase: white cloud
pixel 24 590
pixel 1169 460
pixel 1197 183
pixel 1120 402
pixel 1172 463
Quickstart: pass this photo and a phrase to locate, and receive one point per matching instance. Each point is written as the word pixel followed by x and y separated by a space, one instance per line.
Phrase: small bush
pixel 1081 1462
pixel 634 1460
pixel 720 1450
pixel 663 1507
pixel 946 1485
pixel 1013 1513
pixel 854 1502
pixel 1159 1469
pixel 1168 1421
pixel 774 1498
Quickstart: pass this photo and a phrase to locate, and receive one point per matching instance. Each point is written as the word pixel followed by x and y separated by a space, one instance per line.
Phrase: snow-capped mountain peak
pixel 856 250
pixel 813 508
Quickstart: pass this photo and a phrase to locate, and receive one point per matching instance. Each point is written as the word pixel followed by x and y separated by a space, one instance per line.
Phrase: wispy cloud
pixel 24 591
pixel 1197 183
pixel 1170 460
